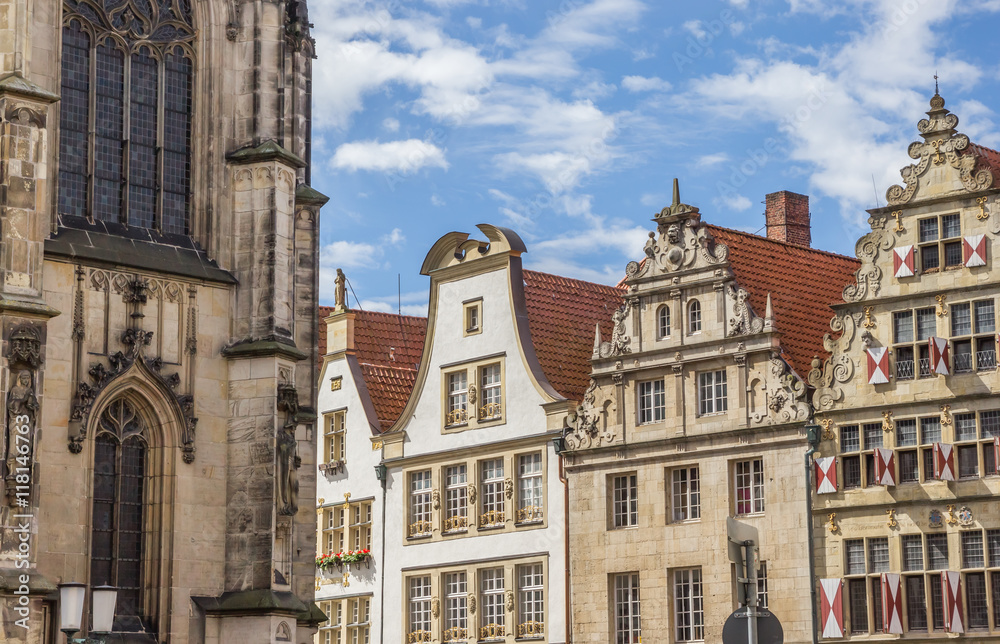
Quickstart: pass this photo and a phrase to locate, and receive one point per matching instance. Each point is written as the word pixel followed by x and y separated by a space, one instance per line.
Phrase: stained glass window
pixel 135 168
pixel 117 528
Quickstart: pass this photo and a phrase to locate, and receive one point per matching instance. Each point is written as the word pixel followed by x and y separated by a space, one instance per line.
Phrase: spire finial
pixel 936 82
pixel 677 193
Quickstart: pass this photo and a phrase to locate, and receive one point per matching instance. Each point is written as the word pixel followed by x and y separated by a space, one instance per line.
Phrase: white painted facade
pixel 420 441
pixel 351 486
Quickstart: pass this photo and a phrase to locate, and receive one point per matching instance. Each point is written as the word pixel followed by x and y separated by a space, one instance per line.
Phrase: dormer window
pixel 473 316
pixel 694 317
pixel 663 322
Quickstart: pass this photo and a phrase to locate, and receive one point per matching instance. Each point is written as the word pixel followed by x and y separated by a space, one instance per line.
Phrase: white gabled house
pixel 475 539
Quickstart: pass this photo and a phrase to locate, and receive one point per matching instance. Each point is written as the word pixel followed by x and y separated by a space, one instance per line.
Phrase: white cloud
pixel 813 100
pixel 594 90
pixel 391 124
pixel 740 4
pixel 651 200
pixel 695 28
pixel 395 156
pixel 739 203
pixel 709 160
pixel 475 23
pixel 437 201
pixel 394 238
pixel 347 255
pixel 643 84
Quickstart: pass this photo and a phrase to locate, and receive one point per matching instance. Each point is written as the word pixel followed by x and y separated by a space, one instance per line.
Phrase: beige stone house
pixel 695 413
pixel 906 515
pixel 158 281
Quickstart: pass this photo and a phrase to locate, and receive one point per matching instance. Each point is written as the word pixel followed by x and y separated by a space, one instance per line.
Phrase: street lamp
pixel 71 597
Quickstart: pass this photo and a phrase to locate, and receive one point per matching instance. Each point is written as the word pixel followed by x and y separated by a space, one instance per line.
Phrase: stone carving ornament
pixel 786 401
pixel 582 428
pixel 17 440
pixel 868 278
pixel 826 375
pixel 941 144
pixel 743 321
pixel 288 460
pixel 619 334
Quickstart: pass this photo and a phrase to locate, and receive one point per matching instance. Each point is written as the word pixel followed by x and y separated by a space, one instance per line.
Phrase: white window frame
pixel 713 392
pixel 663 322
pixel 530 491
pixel 685 486
pixel 493 612
pixel 689 605
pixel 490 392
pixel 625 501
pixel 456 607
pixel 694 317
pixel 652 403
pixel 458 398
pixel 493 513
pixel 627 609
pixel 456 498
pixel 336 437
pixel 748 486
pixel 531 601
pixel 420 618
pixel 420 504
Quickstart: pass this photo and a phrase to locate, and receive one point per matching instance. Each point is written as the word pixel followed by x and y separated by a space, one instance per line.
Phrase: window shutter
pixel 831 607
pixel 951 583
pixel 826 475
pixel 940 355
pixel 885 466
pixel 902 261
pixel 944 462
pixel 974 250
pixel 996 453
pixel 878 365
pixel 892 603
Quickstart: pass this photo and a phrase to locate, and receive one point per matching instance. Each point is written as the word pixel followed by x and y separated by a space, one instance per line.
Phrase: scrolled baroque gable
pixel 943 147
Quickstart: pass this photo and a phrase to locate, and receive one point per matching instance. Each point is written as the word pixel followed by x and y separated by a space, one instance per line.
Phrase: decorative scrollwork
pixel 826 375
pixel 159 22
pixel 492 518
pixel 868 277
pixel 743 321
pixel 420 528
pixel 786 401
pixel 620 339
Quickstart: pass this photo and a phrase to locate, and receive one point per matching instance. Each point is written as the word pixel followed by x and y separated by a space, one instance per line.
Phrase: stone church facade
pixel 158 286
pixel 905 513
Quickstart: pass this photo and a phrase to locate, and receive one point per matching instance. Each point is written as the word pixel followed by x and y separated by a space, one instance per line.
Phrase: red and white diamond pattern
pixel 832 607
pixel 878 365
pixel 974 250
pixel 952 584
pixel 902 261
pixel 826 475
pixel 940 355
pixel 892 603
pixel 944 462
pixel 885 466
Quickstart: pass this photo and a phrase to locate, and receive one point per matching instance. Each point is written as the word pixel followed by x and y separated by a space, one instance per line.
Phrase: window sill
pixel 685 521
pixel 748 515
pixel 530 522
pixel 418 537
pixel 623 527
pixel 492 526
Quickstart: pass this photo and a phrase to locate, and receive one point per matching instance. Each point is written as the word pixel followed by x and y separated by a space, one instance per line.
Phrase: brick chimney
pixel 786 215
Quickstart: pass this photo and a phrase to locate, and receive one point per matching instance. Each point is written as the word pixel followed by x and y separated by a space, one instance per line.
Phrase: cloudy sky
pixel 567 120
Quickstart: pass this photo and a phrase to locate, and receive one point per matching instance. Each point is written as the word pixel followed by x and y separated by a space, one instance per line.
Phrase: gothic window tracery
pixel 120 475
pixel 125 120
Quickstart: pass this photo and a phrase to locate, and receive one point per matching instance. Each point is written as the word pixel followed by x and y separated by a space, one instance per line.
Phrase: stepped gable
pixel 803 283
pixel 388 349
pixel 562 314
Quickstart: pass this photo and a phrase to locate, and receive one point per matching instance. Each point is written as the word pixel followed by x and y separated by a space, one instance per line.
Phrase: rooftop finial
pixel 677 193
pixel 936 83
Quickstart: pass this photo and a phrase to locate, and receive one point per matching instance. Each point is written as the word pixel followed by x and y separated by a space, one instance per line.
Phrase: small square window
pixel 928 230
pixel 952 226
pixel 850 440
pixel 473 317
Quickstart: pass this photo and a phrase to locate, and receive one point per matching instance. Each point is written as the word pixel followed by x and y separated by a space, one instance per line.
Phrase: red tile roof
pixel 562 314
pixel 987 157
pixel 388 349
pixel 803 283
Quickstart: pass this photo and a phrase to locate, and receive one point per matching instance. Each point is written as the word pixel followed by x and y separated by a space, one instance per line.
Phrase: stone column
pixel 24 222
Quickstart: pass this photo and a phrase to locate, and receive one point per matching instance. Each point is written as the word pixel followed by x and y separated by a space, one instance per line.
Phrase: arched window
pixel 127 161
pixel 117 539
pixel 663 321
pixel 694 316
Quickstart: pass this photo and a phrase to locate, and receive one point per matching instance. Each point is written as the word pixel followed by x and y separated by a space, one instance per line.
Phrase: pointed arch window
pixel 663 322
pixel 125 115
pixel 118 524
pixel 694 317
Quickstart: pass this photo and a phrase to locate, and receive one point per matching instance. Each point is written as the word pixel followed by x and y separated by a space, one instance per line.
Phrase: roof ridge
pixel 782 243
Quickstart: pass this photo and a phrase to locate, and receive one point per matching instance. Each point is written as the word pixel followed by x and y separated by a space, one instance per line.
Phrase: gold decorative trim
pixel 531 629
pixel 456 523
pixel 982 214
pixel 492 518
pixel 887 424
pixel 891 518
pixel 828 434
pixel 420 528
pixel 492 632
pixel 418 636
pixel 529 513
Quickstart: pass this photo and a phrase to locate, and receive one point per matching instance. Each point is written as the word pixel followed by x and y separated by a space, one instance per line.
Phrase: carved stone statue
pixel 340 291
pixel 22 406
pixel 286 452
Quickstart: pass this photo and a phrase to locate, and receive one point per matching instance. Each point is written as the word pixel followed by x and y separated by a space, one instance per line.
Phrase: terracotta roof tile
pixel 803 283
pixel 388 349
pixel 562 314
pixel 988 157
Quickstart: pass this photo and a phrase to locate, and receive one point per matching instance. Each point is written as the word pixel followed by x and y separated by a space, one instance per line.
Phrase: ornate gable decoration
pixel 683 242
pixel 589 426
pixel 784 394
pixel 165 21
pixel 942 144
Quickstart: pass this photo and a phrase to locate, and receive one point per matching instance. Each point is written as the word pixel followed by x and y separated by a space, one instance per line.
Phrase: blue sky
pixel 567 120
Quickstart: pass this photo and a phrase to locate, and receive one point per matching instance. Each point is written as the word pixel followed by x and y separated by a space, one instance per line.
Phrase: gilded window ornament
pixel 887 424
pixel 951 520
pixel 891 518
pixel 982 214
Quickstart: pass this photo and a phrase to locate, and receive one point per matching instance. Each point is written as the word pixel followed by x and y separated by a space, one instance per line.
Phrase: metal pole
pixel 751 592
